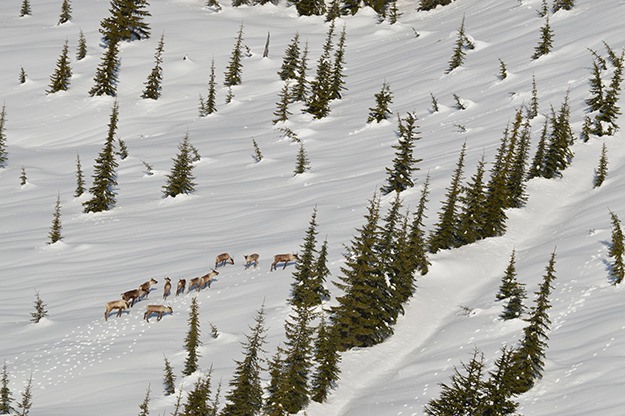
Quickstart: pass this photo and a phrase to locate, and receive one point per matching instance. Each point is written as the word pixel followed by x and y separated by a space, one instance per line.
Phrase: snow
pixel 79 362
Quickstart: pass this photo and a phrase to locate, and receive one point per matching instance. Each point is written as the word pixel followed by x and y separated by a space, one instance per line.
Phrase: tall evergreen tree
pixel 337 81
pixel 6 397
pixel 197 403
pixel 126 21
pixel 276 390
pixel 302 292
pixel 310 7
pixel 496 193
pixel 25 10
pixel 55 231
pixel 617 250
pixel 302 164
pixel 300 89
pixel 80 181
pixel 66 12
pixel 558 154
pixel 538 162
pixel 245 397
pixel 602 170
pixel 290 60
pixel 383 100
pixel 104 171
pixel 26 402
pixel 60 79
pixel 153 85
pixel 81 49
pixel 234 68
pixel 320 274
pixel 387 249
pixel 404 164
pixel 417 245
pixel 563 5
pixel 498 389
pixel 3 138
pixel 318 104
pixel 457 58
pixel 327 359
pixel 168 378
pixel 210 105
pixel 282 112
pixel 192 339
pixel 511 290
pixel 334 10
pixel 180 179
pixel 546 40
pixel 473 201
pixel 105 80
pixel 432 4
pixel 517 195
pixel 446 232
pixel 532 109
pixel 605 120
pixel 144 407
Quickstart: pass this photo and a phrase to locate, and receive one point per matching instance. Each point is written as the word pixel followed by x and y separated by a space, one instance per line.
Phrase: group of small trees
pixel 7 402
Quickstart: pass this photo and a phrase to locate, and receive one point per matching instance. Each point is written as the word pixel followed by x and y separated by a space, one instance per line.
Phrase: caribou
pixel 283 258
pixel 145 287
pixel 222 258
pixel 249 259
pixel 207 279
pixel 167 288
pixel 181 285
pixel 158 309
pixel 132 295
pixel 120 304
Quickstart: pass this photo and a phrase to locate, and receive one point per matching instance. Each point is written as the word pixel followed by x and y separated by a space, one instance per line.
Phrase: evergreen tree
pixel 3 138
pixel 321 272
pixel 532 109
pixel 310 7
pixel 498 389
pixel 23 178
pixel 192 340
pixel 300 90
pixel 435 108
pixel 597 99
pixel 393 13
pixel 503 70
pixel 104 171
pixel 463 394
pixel 327 358
pixel 558 155
pixel 144 407
pixel 210 105
pixel 168 379
pixel 401 271
pixel 544 9
pixel 6 397
pixel 302 164
pixel 213 5
pixel 126 21
pixel 81 50
pixel 446 232
pixel 276 389
pixel 546 40
pixel 233 70
pixel 383 100
pixel 245 397
pixel 471 218
pixel 496 193
pixel 178 403
pixel 337 82
pixel 198 399
pixel 334 10
pixel 416 235
pixel 290 60
pixel 457 58
pixel 80 181
pixel 605 120
pixel 529 356
pixel 538 163
pixel 40 309
pixel 302 292
pixel 517 195
pixel 400 175
pixel 108 70
pixel 563 5
pixel 602 170
pixel 282 112
pixel 617 251
pixel 511 290
pixel 123 150
pixel 238 3
pixel 180 178
pixel 60 79
pixel 55 230
pixel 258 156
pixel 318 103
pixel 25 10
pixel 22 76
pixel 350 7
pixel 27 399
pixel 66 12
pixel 360 317
pixel 432 4
pixel 266 50
pixel 153 83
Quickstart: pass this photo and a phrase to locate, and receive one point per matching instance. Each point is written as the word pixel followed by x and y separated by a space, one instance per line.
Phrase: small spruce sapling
pixel 27 399
pixel 66 12
pixel 168 378
pixel 546 40
pixel 60 79
pixel 434 101
pixel 383 100
pixel 282 112
pixel 22 76
pixel 302 164
pixel 144 407
pixel 23 178
pixel 459 103
pixel 55 231
pixel 81 50
pixel 258 156
pixel 503 70
pixel 153 85
pixel 617 250
pixel 25 10
pixel 6 397
pixel 602 170
pixel 80 180
pixel 40 309
pixel 123 149
pixel 3 138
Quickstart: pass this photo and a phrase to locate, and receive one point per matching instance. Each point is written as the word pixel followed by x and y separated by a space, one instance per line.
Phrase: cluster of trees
pixel 8 405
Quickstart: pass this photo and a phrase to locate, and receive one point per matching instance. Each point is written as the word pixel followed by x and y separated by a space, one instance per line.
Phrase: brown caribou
pixel 283 258
pixel 132 296
pixel 167 288
pixel 207 279
pixel 222 258
pixel 146 287
pixel 249 259
pixel 158 309
pixel 180 287
pixel 115 304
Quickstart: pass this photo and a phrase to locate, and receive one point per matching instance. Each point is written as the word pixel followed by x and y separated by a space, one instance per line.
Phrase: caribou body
pixel 157 309
pixel 222 258
pixel 283 258
pixel 249 259
pixel 180 287
pixel 120 305
pixel 146 286
pixel 167 288
pixel 132 296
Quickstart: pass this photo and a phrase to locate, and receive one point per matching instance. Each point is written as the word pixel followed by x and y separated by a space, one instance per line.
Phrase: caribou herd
pixel 130 297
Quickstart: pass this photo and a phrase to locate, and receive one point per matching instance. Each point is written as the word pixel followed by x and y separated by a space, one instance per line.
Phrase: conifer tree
pixel 597 99
pixel 144 407
pixel 27 399
pixel 544 9
pixel 473 201
pixel 80 181
pixel 393 14
pixel 387 249
pixel 192 340
pixel 210 105
pixel 327 359
pixel 360 317
pixel 605 120
pixel 496 194
pixel 81 49
pixel 401 271
pixel 416 235
pixel 517 195
pixel 435 108
pixel 22 75
pixel 238 3
pixel 282 112
pixel 558 155
pixel 321 272
pixel 213 5
pixel 602 170
pixel 617 250
pixel 446 232
pixel 23 178
pixel 334 10
pixel 123 149
pixel 153 83
pixel 104 171
pixel 498 389
pixel 3 138
pixel 546 40
pixel 383 100
pixel 126 21
pixel 511 290
pixel 40 309
pixel 350 7
pixel 457 58
pixel 168 378
pixel 538 163
pixel 25 10
pixel 55 231
pixel 66 12
pixel 318 104
pixel 302 164
pixel 302 292
pixel 266 50
pixel 198 399
pixel 245 397
pixel 404 164
pixel 290 60
pixel 532 109
pixel 563 5
pixel 180 179
pixel 276 389
pixel 108 70
pixel 258 156
pixel 60 79
pixel 503 70
pixel 300 90
pixel 310 7
pixel 6 397
pixel 337 81
pixel 529 356
pixel 233 70
pixel 432 4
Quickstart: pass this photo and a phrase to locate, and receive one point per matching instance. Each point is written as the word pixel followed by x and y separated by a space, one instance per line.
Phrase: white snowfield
pixel 82 365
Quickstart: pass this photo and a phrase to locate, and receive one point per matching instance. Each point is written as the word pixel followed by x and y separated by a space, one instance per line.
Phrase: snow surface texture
pixel 80 363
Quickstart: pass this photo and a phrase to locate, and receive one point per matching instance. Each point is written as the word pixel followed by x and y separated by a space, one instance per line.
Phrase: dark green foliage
pixel 6 397
pixel 144 407
pixel 337 81
pixel 360 317
pixel 320 273
pixel 3 138
pixel 168 379
pixel 80 181
pixel 81 50
pixel 25 10
pixel 431 4
pixel 459 104
pixel 558 155
pixel 393 13
pixel 22 76
pixel 617 251
pixel 503 70
pixel 66 12
pixel 532 108
pixel 605 118
pixel 178 403
pixel 198 399
pixel 402 268
pixel 529 356
pixel 126 21
pixel 213 5
pixel 40 309
pixel 544 9
pixel 258 156
pixel 27 399
pixel 55 231
pixel 350 7
pixel 517 195
pixel 499 388
pixel 387 248
pixel 496 193
pixel 266 50
pixel 546 40
pixel 416 244
pixel 290 60
pixel 302 164
pixel 404 163
pixel 233 70
pixel 245 397
pixel 435 108
pixel 602 170
pixel 383 100
pixel 463 394
pixel 537 166
pixel 327 359
pixel 446 232
pixel 108 70
pixel 238 3
pixel 192 340
pixel 318 104
pixel 563 5
pixel 513 291
pixel 334 10
pixel 310 7
pixel 104 171
pixel 303 294
pixel 60 79
pixel 282 112
pixel 276 389
pixel 597 99
pixel 123 150
pixel 180 179
pixel 462 43
pixel 23 178
pixel 210 105
pixel 300 90
pixel 473 201
pixel 153 86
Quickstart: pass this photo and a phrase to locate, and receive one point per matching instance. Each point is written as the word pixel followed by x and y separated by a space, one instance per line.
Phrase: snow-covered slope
pixel 81 364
